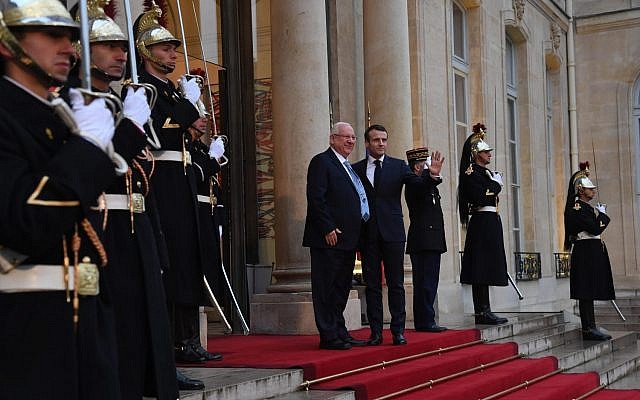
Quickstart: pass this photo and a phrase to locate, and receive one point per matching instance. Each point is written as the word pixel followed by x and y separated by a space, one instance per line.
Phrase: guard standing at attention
pixel 174 181
pixel 57 330
pixel 484 262
pixel 590 272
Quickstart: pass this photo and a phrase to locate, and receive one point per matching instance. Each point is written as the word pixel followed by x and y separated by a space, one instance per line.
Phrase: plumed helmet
pixel 25 14
pixel 150 32
pixel 581 178
pixel 101 27
pixel 477 140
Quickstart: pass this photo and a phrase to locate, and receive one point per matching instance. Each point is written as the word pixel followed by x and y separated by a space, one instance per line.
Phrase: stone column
pixel 299 64
pixel 387 79
pixel 387 87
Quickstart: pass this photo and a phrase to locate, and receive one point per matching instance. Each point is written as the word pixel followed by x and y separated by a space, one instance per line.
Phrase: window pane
pixel 461 133
pixel 461 104
pixel 458 32
pixel 512 119
pixel 510 63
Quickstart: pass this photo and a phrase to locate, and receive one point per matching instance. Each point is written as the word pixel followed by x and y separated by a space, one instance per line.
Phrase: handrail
pixel 384 364
pixel 522 385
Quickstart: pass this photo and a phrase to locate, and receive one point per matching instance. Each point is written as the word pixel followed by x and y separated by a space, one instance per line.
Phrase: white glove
pixel 190 89
pixel 601 207
pixel 136 107
pixel 216 149
pixel 496 177
pixel 427 163
pixel 95 121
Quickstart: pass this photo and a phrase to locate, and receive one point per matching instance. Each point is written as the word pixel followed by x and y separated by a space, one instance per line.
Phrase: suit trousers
pixel 375 252
pixel 186 322
pixel 587 314
pixel 425 268
pixel 331 276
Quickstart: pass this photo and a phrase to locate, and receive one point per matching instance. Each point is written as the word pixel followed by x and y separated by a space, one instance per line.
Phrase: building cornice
pixel 629 18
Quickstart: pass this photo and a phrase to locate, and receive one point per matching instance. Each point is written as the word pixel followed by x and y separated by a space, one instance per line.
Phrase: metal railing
pixel 528 266
pixel 563 264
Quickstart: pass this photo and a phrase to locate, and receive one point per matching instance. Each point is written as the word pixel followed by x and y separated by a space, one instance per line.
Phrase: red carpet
pixel 271 351
pixel 280 351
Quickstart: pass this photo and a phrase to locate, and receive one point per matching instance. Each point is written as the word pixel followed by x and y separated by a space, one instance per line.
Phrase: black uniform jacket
pixel 138 255
pixel 426 229
pixel 590 274
pixel 206 168
pixel 384 202
pixel 50 179
pixel 175 191
pixel 484 261
pixel 332 202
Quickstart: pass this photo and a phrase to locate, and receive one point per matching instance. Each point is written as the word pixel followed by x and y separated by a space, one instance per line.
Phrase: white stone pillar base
pixel 292 313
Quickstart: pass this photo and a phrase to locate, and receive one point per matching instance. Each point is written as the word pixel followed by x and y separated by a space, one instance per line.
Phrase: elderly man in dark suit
pixel 425 240
pixel 384 237
pixel 336 208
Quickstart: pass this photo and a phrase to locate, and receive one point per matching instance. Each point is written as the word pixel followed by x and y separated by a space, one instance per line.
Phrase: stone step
pixel 623 301
pixel 607 318
pixel 580 351
pixel 242 383
pixel 519 324
pixel 614 366
pixel 318 395
pixel 629 381
pixel 545 339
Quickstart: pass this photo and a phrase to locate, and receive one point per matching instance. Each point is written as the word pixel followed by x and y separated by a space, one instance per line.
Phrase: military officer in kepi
pixel 174 183
pixel 57 338
pixel 425 239
pixel 484 262
pixel 590 272
pixel 126 214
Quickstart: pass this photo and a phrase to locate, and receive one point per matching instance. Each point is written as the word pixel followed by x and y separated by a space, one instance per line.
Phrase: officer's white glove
pixel 216 149
pixel 496 177
pixel 136 107
pixel 427 163
pixel 601 207
pixel 190 89
pixel 95 121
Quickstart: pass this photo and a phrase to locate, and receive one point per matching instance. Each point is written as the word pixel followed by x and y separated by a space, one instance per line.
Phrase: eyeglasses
pixel 347 137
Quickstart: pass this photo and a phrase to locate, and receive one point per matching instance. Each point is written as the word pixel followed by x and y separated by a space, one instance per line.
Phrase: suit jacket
pixel 332 202
pixel 384 202
pixel 426 230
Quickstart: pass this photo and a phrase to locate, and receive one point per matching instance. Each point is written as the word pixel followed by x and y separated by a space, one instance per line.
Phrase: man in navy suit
pixel 337 206
pixel 383 237
pixel 425 240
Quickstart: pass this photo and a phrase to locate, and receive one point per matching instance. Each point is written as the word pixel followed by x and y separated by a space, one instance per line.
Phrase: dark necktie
pixel 376 173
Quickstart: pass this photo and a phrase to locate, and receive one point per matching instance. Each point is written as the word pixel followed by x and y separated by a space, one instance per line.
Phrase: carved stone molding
pixel 518 9
pixel 471 3
pixel 552 56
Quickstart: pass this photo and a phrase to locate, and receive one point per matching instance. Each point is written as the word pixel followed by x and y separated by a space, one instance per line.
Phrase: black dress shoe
pixel 594 334
pixel 186 354
pixel 335 344
pixel 399 339
pixel 185 383
pixel 489 318
pixel 354 342
pixel 432 328
pixel 199 350
pixel 375 339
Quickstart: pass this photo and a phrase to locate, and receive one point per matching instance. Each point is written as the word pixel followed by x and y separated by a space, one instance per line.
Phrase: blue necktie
pixel 364 204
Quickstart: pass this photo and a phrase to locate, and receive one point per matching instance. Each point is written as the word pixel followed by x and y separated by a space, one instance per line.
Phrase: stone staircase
pixel 537 334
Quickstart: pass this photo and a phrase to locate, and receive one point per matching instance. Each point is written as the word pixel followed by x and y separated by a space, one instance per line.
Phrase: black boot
pixel 588 321
pixel 199 350
pixel 186 383
pixel 185 353
pixel 483 314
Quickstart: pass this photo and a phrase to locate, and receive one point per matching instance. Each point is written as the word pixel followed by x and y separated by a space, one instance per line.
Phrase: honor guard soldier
pixel 57 333
pixel 174 182
pixel 484 262
pixel 145 349
pixel 590 272
pixel 425 239
pixel 205 162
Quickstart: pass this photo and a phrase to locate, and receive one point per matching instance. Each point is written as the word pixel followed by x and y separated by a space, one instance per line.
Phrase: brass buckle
pixel 137 200
pixel 88 278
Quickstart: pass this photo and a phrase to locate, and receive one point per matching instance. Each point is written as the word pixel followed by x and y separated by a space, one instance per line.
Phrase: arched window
pixel 460 65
